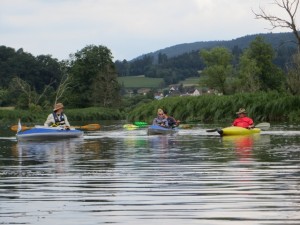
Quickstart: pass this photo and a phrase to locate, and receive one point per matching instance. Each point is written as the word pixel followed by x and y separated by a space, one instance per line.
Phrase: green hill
pixel 277 40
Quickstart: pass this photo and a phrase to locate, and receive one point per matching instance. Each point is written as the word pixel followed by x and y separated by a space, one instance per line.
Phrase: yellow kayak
pixel 237 131
pixel 130 126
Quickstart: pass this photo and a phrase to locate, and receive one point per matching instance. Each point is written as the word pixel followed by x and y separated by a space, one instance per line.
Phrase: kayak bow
pixel 155 129
pixel 47 133
pixel 237 131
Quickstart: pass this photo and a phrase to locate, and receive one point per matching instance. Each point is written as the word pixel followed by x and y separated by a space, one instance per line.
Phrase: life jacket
pixel 171 121
pixel 59 120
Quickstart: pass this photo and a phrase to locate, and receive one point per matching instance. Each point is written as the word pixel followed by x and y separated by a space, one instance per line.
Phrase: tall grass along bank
pixel 270 107
pixel 38 117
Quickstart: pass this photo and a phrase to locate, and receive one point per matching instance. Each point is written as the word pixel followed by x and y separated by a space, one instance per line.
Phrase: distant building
pixel 196 93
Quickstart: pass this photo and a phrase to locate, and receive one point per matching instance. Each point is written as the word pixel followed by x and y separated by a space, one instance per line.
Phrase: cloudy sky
pixel 129 28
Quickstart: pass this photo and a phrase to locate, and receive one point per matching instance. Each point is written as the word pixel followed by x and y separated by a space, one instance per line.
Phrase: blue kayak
pixel 47 133
pixel 155 129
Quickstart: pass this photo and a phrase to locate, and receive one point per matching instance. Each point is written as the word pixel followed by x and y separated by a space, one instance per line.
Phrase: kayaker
pixel 57 118
pixel 160 120
pixel 172 122
pixel 243 120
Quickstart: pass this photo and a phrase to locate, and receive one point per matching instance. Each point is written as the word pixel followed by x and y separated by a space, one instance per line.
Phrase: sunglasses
pixel 160 114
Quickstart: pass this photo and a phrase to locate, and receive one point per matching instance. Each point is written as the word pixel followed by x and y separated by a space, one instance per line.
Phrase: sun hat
pixel 241 110
pixel 58 106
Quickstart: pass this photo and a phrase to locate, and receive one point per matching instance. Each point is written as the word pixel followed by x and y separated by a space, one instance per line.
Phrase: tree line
pixel 87 79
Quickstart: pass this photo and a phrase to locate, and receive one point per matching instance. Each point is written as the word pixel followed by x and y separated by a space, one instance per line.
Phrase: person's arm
pixel 67 124
pixel 251 124
pixel 154 122
pixel 49 120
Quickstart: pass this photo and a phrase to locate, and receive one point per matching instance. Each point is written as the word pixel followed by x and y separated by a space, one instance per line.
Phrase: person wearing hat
pixel 243 120
pixel 57 118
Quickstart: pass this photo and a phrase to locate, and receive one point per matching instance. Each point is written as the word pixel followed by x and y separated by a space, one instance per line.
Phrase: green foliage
pixel 94 78
pixel 293 75
pixel 261 55
pixel 93 113
pixel 248 75
pixel 261 106
pixel 219 68
pixel 36 116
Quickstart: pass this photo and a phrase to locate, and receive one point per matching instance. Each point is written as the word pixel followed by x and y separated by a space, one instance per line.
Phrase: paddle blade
pixel 93 126
pixel 212 130
pixel 140 124
pixel 185 126
pixel 16 127
pixel 263 126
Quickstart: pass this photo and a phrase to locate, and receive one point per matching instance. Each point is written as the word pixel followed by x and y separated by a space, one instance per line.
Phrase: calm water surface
pixel 126 177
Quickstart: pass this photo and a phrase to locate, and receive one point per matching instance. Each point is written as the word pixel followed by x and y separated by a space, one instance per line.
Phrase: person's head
pixel 160 113
pixel 59 107
pixel 241 113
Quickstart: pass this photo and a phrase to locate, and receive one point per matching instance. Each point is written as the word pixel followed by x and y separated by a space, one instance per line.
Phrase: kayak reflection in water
pixel 243 120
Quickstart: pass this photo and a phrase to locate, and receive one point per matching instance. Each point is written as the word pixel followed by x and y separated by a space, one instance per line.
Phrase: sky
pixel 129 28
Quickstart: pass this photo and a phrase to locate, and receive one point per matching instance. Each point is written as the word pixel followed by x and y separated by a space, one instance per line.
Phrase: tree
pixel 248 74
pixel 29 97
pixel 293 75
pixel 270 76
pixel 94 78
pixel 65 82
pixel 290 7
pixel 218 68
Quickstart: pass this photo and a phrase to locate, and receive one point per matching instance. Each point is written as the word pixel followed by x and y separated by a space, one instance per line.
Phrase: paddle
pixel 262 126
pixel 93 126
pixel 140 124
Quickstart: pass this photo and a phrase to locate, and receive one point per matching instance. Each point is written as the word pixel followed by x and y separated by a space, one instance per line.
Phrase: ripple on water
pixel 132 178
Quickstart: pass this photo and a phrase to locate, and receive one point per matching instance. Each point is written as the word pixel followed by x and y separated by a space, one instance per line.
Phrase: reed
pixel 263 106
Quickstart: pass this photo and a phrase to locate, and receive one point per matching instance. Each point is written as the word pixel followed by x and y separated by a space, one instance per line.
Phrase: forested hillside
pixel 182 61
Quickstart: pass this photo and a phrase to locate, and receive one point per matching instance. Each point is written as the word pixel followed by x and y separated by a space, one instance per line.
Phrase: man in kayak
pixel 160 120
pixel 243 120
pixel 57 118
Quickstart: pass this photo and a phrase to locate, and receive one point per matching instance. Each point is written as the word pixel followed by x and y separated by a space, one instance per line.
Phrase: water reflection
pixel 244 144
pixel 56 155
pixel 132 178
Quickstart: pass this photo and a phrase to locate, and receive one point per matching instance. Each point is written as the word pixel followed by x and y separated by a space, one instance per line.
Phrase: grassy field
pixel 140 82
pixel 146 82
pixel 191 81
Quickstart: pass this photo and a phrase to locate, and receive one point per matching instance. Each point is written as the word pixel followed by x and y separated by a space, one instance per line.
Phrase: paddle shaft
pixel 94 126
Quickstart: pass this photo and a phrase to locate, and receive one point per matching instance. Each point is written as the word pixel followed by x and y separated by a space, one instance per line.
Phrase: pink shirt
pixel 243 122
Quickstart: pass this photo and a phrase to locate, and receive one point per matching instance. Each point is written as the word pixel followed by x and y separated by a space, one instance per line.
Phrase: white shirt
pixel 50 120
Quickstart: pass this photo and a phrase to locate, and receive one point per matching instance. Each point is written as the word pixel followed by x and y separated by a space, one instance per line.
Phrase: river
pixel 118 176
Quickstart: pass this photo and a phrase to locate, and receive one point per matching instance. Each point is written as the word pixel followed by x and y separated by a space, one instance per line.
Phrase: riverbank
pixel 262 107
pixel 85 114
pixel 271 107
